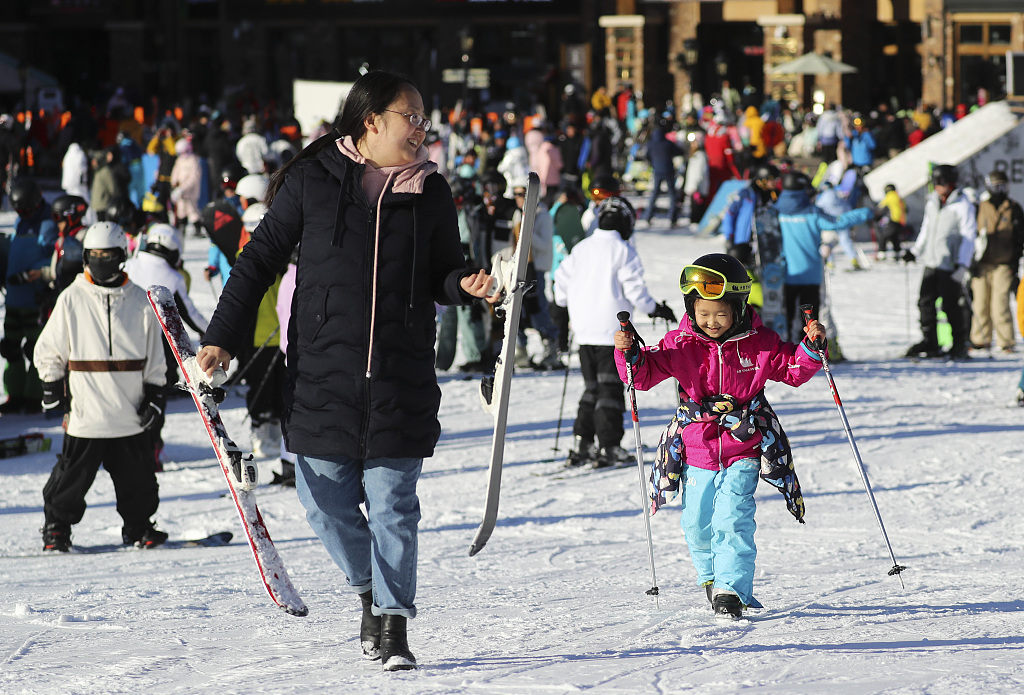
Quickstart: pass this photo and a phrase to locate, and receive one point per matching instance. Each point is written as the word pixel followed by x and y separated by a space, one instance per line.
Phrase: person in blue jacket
pixel 660 152
pixel 861 144
pixel 30 250
pixel 801 223
pixel 738 222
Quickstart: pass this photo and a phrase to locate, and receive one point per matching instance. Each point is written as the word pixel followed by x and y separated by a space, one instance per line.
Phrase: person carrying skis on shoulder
pixel 602 276
pixel 724 433
pixel 108 382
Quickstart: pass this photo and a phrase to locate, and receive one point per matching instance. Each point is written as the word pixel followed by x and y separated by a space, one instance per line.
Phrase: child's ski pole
pixel 565 384
pixel 624 321
pixel 806 309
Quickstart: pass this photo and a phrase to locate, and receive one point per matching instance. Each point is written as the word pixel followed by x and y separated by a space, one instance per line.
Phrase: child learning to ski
pixel 724 433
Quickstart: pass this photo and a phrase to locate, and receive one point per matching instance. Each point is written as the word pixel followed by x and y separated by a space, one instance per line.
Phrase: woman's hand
pixel 210 357
pixel 479 285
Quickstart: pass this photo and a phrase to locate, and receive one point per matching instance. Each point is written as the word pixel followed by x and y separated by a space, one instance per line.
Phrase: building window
pixel 999 34
pixel 972 33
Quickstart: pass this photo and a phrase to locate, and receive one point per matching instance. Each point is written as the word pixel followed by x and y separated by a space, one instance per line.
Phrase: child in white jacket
pixel 101 361
pixel 601 277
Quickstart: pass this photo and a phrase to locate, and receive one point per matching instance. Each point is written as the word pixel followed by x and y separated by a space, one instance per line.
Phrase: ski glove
pixel 908 256
pixel 663 311
pixel 819 344
pixel 151 412
pixel 55 397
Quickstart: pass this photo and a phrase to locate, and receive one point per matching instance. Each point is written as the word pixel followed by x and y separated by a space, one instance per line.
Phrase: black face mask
pixel 105 268
pixel 997 198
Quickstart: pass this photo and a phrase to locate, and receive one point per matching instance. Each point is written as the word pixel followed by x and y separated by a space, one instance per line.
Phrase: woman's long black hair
pixel 371 93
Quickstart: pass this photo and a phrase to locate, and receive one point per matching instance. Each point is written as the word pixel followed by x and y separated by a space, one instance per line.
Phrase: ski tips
pixel 299 611
pixel 476 547
pixel 159 293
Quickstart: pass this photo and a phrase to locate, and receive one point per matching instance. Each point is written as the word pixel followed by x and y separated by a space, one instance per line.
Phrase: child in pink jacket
pixel 722 356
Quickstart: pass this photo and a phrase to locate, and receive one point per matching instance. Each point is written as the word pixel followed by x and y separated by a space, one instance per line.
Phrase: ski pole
pixel 897 568
pixel 565 384
pixel 627 326
pixel 236 378
pixel 266 377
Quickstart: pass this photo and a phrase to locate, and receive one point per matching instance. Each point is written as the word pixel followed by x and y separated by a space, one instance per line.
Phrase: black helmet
pixel 616 213
pixel 122 211
pixel 890 188
pixel 944 174
pixel 26 195
pixel 765 171
pixel 231 174
pixel 70 209
pixel 735 290
pixel 795 181
pixel 603 186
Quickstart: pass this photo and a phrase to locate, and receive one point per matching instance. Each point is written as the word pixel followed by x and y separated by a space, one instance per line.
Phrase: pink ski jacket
pixel 739 367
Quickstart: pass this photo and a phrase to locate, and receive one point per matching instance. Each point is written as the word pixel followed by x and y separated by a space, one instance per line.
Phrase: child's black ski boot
pixel 727 605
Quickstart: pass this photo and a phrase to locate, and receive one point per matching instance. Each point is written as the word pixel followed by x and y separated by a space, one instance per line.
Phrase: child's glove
pixel 819 344
pixel 663 311
pixel 151 411
pixel 54 398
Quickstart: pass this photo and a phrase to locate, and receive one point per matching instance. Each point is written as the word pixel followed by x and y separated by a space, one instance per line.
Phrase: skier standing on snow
pixel 997 255
pixel 102 365
pixel 157 264
pixel 945 245
pixel 801 223
pixel 601 277
pixel 722 356
pixel 379 246
pixel 738 221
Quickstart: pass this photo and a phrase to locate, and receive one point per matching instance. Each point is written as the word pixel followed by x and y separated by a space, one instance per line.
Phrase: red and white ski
pixel 240 474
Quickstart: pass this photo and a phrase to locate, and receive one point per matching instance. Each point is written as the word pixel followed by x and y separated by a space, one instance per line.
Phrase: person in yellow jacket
pixel 895 209
pixel 754 125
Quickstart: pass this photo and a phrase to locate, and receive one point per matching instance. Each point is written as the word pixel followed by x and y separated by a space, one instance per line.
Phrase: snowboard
pixel 496 393
pixel 31 443
pixel 215 540
pixel 771 265
pixel 240 474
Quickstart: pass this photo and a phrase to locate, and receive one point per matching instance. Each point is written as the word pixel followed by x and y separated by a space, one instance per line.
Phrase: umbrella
pixel 811 64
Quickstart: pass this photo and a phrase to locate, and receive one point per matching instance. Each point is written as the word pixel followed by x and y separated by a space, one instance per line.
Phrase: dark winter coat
pixel 660 152
pixel 336 406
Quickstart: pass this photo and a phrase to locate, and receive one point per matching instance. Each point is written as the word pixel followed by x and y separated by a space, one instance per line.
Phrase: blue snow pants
pixel 718 522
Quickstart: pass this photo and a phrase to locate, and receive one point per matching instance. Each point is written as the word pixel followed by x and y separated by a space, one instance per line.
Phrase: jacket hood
pixel 791 202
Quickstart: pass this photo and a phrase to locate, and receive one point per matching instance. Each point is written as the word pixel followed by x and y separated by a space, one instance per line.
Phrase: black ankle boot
pixel 394 645
pixel 369 628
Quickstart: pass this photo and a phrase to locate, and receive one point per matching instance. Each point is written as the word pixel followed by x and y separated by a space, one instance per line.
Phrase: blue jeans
pixel 670 185
pixel 718 522
pixel 379 550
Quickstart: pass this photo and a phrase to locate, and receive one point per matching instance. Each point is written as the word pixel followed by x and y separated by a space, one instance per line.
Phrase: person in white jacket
pixel 601 277
pixel 157 264
pixel 101 361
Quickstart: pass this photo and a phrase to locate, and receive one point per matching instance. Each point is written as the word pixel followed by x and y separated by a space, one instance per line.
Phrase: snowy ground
pixel 555 603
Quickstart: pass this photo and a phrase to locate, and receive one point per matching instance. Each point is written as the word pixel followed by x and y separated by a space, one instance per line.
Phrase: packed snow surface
pixel 556 602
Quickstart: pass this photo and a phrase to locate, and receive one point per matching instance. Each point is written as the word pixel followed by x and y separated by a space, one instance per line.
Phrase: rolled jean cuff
pixel 363 588
pixel 409 613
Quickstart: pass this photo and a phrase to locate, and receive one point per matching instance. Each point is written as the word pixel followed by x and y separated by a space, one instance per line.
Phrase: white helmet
pixel 252 216
pixel 105 235
pixel 252 186
pixel 164 235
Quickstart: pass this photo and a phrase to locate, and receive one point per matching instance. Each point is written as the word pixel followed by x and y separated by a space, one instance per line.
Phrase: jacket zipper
pixel 110 330
pixel 368 284
pixel 721 385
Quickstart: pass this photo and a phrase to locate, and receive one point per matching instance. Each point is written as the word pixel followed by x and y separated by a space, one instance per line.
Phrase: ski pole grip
pixel 806 310
pixel 623 317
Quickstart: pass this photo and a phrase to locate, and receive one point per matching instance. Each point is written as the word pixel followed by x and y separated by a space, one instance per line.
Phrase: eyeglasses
pixel 708 283
pixel 416 120
pixel 519 194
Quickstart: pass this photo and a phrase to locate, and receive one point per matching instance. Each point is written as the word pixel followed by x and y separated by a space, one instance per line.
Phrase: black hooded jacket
pixel 336 406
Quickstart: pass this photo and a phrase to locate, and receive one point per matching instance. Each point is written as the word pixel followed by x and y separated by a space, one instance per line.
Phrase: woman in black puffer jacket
pixel 379 246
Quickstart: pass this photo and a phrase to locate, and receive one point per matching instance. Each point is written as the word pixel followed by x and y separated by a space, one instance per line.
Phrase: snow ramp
pixel 990 138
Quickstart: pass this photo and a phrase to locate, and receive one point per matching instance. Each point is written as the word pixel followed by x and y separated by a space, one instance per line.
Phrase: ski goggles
pixel 708 283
